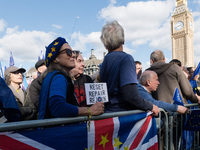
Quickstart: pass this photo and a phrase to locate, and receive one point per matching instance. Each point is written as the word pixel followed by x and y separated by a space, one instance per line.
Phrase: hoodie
pixel 171 76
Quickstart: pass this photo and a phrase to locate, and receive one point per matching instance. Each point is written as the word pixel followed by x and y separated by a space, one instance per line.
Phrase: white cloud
pixel 25 45
pixel 57 26
pixel 2 25
pixel 143 22
pixel 91 40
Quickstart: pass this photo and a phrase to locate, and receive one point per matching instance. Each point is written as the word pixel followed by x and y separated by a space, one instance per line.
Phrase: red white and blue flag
pixel 128 132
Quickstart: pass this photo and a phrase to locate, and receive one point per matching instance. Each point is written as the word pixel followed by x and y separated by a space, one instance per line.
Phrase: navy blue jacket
pixel 8 104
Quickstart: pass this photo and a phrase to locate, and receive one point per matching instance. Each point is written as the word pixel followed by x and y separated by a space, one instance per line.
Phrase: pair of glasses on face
pixel 18 72
pixel 69 52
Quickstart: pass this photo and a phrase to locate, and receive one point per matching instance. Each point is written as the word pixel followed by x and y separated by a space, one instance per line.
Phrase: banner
pixel 136 131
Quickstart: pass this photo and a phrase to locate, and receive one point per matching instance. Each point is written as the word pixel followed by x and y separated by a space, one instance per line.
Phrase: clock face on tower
pixel 179 25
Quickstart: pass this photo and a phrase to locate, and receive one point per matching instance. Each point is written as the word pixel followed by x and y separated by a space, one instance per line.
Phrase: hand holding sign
pixel 97 108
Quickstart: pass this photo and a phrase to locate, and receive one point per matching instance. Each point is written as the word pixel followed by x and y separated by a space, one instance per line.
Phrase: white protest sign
pixel 96 92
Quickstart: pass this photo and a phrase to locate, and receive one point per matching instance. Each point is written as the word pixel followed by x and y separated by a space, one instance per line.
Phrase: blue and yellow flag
pixel 41 56
pixel 177 98
pixel 196 72
pixel 12 63
pixel 193 122
pixel 194 82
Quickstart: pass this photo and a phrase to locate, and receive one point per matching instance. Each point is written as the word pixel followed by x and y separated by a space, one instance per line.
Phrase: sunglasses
pixel 67 51
pixel 17 72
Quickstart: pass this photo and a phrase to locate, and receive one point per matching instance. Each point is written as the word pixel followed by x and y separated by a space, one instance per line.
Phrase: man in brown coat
pixel 170 76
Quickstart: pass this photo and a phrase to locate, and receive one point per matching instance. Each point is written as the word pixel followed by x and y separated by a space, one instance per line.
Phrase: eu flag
pixel 41 56
pixel 177 98
pixel 193 122
pixel 194 82
pixel 11 60
pixel 196 72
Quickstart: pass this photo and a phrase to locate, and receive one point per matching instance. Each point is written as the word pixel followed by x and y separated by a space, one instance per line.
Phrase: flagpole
pixel 73 28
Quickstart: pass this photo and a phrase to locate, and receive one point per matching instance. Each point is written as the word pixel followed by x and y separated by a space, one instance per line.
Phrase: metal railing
pixel 166 123
pixel 12 126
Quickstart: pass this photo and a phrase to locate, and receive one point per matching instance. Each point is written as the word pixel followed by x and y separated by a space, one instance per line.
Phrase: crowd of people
pixel 58 90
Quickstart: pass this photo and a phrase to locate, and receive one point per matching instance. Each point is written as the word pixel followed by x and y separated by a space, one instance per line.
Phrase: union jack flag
pixel 128 132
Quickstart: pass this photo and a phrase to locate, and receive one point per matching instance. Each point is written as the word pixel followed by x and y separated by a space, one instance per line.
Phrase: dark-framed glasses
pixel 67 51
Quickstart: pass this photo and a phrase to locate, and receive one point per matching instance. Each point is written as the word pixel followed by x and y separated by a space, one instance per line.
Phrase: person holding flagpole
pixel 57 98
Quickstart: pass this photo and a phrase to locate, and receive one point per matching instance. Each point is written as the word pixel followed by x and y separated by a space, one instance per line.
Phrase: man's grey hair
pixel 112 35
pixel 144 78
pixel 157 55
pixel 146 75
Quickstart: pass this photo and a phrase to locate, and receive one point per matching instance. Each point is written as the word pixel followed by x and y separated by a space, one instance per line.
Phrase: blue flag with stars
pixel 177 98
pixel 194 82
pixel 196 72
pixel 11 60
pixel 193 122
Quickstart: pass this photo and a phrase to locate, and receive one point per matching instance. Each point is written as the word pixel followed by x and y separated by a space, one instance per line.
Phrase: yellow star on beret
pixel 56 43
pixel 53 49
pixel 49 55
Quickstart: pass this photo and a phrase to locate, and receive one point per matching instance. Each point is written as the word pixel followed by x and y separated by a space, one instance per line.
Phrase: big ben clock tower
pixel 182 34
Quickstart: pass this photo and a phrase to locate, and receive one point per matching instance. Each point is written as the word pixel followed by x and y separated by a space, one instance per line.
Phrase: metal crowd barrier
pixel 12 126
pixel 168 139
pixel 176 125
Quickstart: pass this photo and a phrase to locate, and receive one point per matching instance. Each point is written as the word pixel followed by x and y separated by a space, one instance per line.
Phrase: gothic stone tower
pixel 182 34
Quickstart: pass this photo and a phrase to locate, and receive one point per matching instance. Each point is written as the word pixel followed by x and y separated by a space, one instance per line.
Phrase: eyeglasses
pixel 67 51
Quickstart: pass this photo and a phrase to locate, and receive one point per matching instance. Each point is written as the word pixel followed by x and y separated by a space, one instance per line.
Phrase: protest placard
pixel 96 92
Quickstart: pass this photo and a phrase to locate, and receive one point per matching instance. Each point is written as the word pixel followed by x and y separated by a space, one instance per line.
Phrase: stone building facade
pixel 92 64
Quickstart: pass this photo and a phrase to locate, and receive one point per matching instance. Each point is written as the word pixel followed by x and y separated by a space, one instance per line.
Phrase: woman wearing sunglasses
pixel 57 97
pixel 14 78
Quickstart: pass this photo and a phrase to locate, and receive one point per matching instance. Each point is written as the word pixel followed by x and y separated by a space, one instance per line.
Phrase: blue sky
pixel 26 27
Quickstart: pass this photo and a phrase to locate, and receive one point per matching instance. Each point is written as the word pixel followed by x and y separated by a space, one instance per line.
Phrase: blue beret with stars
pixel 53 49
